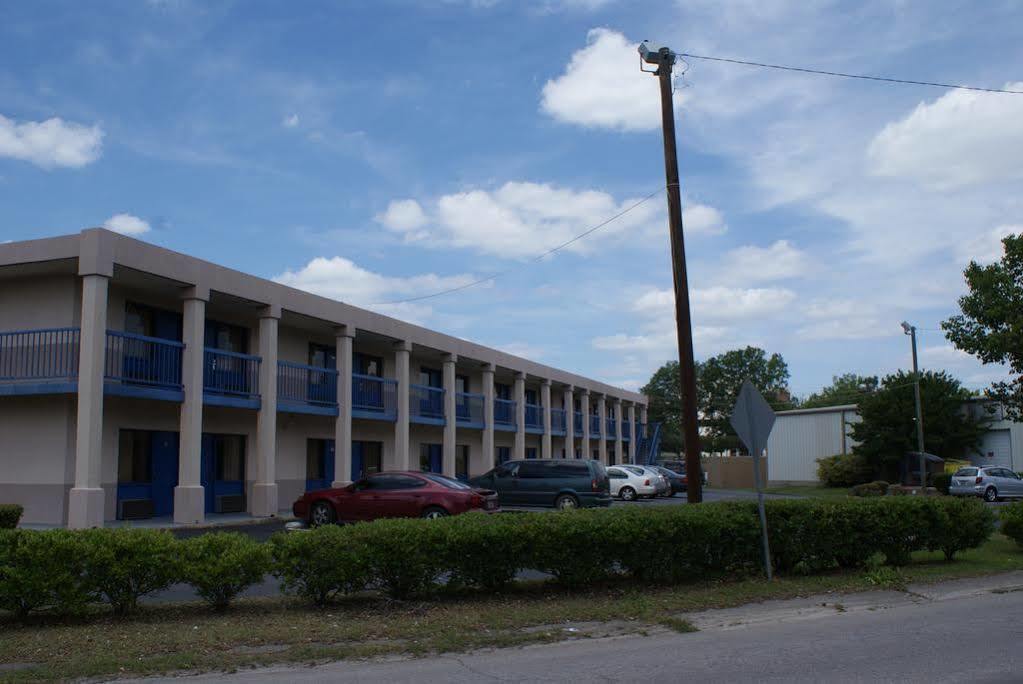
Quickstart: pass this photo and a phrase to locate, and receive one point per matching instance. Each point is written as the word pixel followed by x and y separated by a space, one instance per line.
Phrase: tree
pixel 719 380
pixel 991 323
pixel 665 406
pixel 887 429
pixel 844 389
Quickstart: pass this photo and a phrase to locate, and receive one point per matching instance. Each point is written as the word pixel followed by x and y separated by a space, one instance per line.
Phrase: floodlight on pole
pixel 911 331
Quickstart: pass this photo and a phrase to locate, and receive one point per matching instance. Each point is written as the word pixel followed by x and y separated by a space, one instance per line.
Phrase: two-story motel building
pixel 139 382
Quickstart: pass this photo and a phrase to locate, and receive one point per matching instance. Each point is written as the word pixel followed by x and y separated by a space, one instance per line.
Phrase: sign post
pixel 753 418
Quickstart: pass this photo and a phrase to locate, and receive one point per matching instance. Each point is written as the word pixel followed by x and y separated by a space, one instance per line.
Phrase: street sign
pixel 753 418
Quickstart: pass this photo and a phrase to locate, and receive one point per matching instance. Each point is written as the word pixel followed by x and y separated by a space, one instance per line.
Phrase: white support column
pixel 642 419
pixel 602 444
pixel 86 499
pixel 402 352
pixel 584 408
pixel 569 402
pixel 189 496
pixel 264 489
pixel 545 399
pixel 343 341
pixel 619 442
pixel 634 434
pixel 520 416
pixel 488 417
pixel 449 444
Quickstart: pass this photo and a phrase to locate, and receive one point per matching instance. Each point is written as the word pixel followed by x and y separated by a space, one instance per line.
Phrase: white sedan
pixel 628 485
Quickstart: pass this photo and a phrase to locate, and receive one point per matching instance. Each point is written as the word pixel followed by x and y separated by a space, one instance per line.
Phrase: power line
pixel 535 259
pixel 864 77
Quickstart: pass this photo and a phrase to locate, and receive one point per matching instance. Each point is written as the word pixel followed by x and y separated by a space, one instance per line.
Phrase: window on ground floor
pixel 230 458
pixel 315 459
pixel 503 454
pixel 430 458
pixel 367 459
pixel 530 452
pixel 462 462
pixel 134 452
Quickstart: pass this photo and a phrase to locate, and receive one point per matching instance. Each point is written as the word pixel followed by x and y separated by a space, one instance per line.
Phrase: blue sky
pixel 377 151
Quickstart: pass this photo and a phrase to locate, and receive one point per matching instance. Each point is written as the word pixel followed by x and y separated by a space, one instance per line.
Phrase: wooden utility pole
pixel 664 59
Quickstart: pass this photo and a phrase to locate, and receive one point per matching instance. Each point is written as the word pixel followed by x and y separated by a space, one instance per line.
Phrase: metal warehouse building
pixel 802 436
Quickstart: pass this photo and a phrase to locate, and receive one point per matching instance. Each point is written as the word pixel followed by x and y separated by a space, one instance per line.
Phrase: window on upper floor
pixel 322 356
pixel 502 391
pixel 366 364
pixel 141 319
pixel 227 337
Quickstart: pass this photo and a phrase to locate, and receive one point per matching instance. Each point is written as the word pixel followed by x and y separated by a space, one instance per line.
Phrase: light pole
pixel 911 331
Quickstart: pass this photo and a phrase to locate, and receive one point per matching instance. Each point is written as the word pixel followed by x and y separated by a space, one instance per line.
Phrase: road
pixel 904 638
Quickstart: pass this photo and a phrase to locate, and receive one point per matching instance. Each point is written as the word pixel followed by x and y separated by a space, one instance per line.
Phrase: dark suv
pixel 558 482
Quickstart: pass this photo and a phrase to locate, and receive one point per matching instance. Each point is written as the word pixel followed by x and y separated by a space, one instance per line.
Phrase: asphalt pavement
pixel 966 631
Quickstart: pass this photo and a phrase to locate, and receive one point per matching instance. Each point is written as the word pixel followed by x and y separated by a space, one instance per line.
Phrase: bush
pixel 320 564
pixel 875 488
pixel 42 571
pixel 221 565
pixel 10 515
pixel 405 557
pixel 1011 518
pixel 959 524
pixel 485 551
pixel 941 482
pixel 571 545
pixel 843 470
pixel 125 564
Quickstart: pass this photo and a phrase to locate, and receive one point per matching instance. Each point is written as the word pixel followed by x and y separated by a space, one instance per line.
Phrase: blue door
pixel 357 461
pixel 319 464
pixel 165 471
pixel 530 452
pixel 431 458
pixel 223 467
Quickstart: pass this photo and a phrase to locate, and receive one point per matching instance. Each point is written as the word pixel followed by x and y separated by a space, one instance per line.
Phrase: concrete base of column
pixel 189 504
pixel 264 499
pixel 85 508
pixel 340 484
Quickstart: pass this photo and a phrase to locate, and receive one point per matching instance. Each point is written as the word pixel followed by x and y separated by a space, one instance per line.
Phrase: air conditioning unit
pixel 134 509
pixel 230 503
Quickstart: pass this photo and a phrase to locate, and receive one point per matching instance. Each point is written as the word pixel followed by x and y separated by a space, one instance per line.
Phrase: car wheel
pixel 322 513
pixel 990 494
pixel 627 494
pixel 434 512
pixel 566 502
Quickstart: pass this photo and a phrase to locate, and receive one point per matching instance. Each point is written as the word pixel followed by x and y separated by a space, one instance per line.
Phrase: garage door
pixel 996 449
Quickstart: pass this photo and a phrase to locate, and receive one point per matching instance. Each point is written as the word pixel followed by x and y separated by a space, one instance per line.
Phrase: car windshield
pixel 448 482
pixel 966 472
pixel 634 470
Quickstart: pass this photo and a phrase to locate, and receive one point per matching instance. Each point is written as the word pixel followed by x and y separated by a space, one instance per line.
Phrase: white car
pixel 628 485
pixel 660 482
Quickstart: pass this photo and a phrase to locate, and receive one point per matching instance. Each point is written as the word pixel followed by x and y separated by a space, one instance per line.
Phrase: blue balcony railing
pixel 594 426
pixel 231 374
pixel 39 357
pixel 577 423
pixel 534 417
pixel 142 361
pixel 373 397
pixel 612 430
pixel 426 403
pixel 558 426
pixel 301 384
pixel 469 409
pixel 504 414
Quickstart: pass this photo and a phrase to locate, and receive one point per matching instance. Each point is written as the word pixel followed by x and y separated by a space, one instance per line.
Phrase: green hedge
pixel 1011 518
pixel 62 571
pixel 10 515
pixel 843 470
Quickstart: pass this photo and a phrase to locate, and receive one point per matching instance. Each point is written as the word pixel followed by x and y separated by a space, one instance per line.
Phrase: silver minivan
pixel 991 482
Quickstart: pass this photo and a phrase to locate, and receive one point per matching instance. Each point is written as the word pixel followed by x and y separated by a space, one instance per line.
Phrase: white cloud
pixel 290 121
pixel 851 328
pixel 126 224
pixel 403 216
pixel 522 219
pixel 717 303
pixel 779 261
pixel 701 219
pixel 962 138
pixel 50 143
pixel 602 87
pixel 341 279
pixel 987 247
pixel 523 349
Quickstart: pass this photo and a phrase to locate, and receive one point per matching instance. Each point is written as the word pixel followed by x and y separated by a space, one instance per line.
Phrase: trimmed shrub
pixel 221 565
pixel 959 524
pixel 1011 518
pixel 125 564
pixel 843 470
pixel 405 557
pixel 42 571
pixel 485 551
pixel 10 515
pixel 942 482
pixel 319 564
pixel 571 545
pixel 875 488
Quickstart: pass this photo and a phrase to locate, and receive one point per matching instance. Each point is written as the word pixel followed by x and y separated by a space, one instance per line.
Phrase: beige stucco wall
pixel 40 302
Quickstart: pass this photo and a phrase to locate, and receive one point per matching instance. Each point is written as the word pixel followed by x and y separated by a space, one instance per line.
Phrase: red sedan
pixel 394 495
